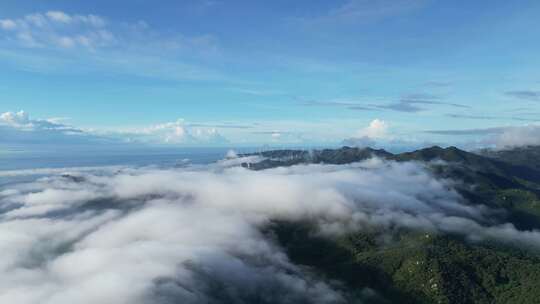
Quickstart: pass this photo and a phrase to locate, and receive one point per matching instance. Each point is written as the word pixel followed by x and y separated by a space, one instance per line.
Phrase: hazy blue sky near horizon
pixel 268 72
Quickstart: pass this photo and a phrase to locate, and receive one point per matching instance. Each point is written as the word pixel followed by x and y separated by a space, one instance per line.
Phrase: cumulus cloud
pixel 193 235
pixel 170 132
pixel 177 132
pixel 376 130
pixel 19 128
pixel 15 118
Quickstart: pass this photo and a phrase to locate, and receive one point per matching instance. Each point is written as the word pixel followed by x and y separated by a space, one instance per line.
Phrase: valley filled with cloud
pixel 196 235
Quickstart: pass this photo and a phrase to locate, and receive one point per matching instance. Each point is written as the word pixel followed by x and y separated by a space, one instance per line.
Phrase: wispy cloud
pixel 432 102
pixel 525 94
pixel 525 119
pixel 58 42
pixel 407 103
pixel 222 125
pixel 499 137
pixel 57 29
pixel 281 136
pixel 490 117
pixel 410 103
pixel 467 116
pixel 401 106
pixel 259 92
pixel 479 131
pixel 347 104
pixel 438 84
pixel 365 11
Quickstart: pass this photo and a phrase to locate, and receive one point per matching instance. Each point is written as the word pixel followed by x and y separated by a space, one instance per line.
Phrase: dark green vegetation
pixel 344 155
pixel 417 267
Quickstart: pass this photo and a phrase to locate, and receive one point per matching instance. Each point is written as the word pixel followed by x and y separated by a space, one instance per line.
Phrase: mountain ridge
pixel 418 266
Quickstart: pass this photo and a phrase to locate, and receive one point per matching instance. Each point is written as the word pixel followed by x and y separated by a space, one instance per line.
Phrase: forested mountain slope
pixel 416 266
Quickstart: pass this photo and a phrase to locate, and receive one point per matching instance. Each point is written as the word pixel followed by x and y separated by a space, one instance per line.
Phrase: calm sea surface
pixel 16 163
pixel 19 160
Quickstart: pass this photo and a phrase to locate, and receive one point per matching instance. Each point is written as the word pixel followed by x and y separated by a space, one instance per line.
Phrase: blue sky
pixel 269 72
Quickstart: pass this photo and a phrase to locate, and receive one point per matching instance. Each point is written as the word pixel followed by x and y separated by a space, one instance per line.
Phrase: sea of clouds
pixel 193 235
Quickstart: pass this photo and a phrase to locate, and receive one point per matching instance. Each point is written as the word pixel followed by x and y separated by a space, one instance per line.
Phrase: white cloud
pixel 177 132
pixel 66 42
pixel 365 11
pixel 160 236
pixel 371 10
pixel 37 20
pixel 93 20
pixel 210 135
pixel 377 129
pixel 21 121
pixel 505 137
pixel 59 16
pixel 19 128
pixel 15 118
pixel 7 24
pixel 105 46
pixel 171 132
pixel 26 39
pixel 511 137
pixel 58 29
pixel 368 136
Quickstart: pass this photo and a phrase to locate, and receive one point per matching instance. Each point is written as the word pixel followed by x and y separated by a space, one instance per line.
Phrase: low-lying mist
pixel 193 235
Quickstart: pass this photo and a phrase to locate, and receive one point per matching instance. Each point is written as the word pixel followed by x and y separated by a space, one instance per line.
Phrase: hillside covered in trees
pixel 416 266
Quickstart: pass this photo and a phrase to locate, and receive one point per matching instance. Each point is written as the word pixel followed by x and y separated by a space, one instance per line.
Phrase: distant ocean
pixel 17 165
pixel 15 159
